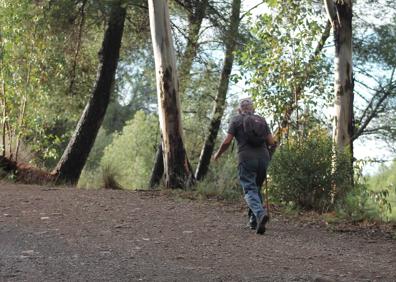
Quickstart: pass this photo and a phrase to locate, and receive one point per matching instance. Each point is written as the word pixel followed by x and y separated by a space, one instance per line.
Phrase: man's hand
pixel 224 146
pixel 216 156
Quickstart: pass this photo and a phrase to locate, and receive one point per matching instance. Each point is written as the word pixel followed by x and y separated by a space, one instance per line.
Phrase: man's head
pixel 246 106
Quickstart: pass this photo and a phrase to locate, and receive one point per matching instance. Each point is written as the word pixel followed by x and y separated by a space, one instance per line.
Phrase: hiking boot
pixel 252 222
pixel 261 224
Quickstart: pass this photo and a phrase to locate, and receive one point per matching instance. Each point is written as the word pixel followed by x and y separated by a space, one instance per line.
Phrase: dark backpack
pixel 255 129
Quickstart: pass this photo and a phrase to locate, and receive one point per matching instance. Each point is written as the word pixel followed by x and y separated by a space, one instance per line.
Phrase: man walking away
pixel 253 136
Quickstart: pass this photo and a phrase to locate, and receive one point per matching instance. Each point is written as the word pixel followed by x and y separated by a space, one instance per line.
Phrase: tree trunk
pixel 194 26
pixel 158 169
pixel 218 110
pixel 176 166
pixel 69 167
pixel 343 120
pixel 340 15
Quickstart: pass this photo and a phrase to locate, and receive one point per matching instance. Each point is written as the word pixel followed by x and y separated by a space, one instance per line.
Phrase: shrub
pixel 301 173
pixel 131 153
pixel 102 141
pixel 222 179
pixel 372 198
pixel 3 173
pixel 109 176
pixel 91 179
pixel 385 180
pixel 363 203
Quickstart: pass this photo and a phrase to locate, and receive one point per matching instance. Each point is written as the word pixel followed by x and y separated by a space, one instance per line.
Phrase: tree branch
pixel 297 93
pixel 251 9
pixel 377 108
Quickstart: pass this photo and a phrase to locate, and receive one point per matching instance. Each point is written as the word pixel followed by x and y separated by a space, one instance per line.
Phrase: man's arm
pixel 224 146
pixel 270 140
pixel 271 145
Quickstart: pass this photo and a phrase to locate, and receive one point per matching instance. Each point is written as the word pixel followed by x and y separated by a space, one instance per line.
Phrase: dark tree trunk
pixel 218 109
pixel 194 26
pixel 158 169
pixel 69 167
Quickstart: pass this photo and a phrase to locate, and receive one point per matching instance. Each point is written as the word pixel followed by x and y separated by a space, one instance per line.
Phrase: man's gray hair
pixel 246 106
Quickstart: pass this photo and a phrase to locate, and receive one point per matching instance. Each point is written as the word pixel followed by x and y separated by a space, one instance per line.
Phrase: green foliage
pixel 91 179
pixel 116 116
pixel 380 198
pixel 136 86
pixel 132 151
pixel 109 176
pixel 361 203
pixel 301 173
pixel 384 186
pixel 197 105
pixel 279 57
pixel 221 181
pixel 3 174
pixel 103 139
pixel 38 47
pixel 375 44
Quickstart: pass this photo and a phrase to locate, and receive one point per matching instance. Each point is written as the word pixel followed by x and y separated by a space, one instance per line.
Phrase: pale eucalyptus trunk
pixel 218 109
pixel 177 169
pixel 195 19
pixel 340 15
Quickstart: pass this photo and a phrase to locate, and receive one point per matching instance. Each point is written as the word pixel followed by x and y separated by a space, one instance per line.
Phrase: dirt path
pixel 80 235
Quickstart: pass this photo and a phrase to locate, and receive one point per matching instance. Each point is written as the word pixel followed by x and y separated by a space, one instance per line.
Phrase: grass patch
pixel 389 214
pixel 385 182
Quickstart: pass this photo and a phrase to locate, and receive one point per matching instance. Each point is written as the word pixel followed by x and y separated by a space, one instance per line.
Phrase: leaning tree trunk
pixel 69 167
pixel 177 169
pixel 218 110
pixel 194 26
pixel 340 15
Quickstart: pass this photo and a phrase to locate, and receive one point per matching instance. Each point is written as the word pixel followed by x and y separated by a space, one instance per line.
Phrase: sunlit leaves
pixel 36 54
pixel 277 58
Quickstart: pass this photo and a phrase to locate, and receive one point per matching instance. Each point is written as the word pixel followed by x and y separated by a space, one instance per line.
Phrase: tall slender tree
pixel 69 167
pixel 196 13
pixel 177 168
pixel 218 109
pixel 340 16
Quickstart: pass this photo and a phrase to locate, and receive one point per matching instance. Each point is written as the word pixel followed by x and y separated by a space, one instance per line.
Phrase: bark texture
pixel 69 167
pixel 177 169
pixel 197 14
pixel 158 169
pixel 218 110
pixel 340 14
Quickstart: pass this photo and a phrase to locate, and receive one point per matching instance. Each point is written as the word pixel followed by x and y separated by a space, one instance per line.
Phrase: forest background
pixel 282 56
